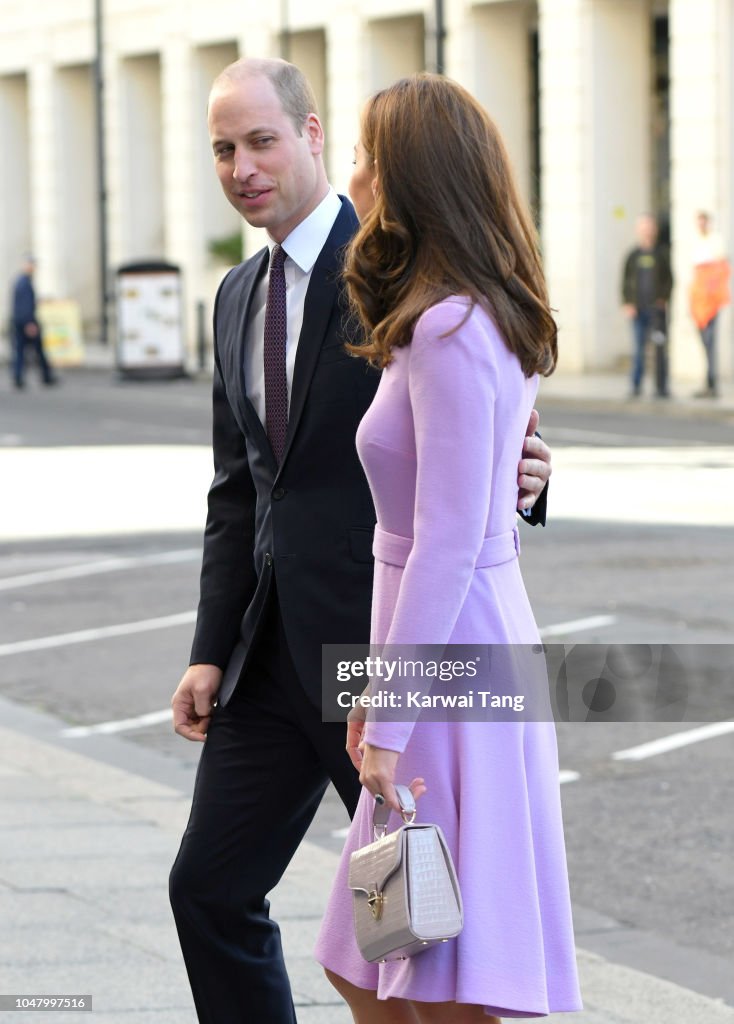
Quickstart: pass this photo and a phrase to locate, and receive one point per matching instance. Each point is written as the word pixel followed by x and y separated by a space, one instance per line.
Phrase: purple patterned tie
pixel 276 382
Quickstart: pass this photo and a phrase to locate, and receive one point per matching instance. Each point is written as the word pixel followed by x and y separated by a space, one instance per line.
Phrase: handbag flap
pixel 433 889
pixel 372 866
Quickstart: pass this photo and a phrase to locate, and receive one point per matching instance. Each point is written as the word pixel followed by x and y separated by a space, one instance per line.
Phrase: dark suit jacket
pixel 308 524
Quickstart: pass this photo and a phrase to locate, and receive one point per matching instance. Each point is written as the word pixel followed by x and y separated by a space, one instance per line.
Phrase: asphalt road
pixel 649 841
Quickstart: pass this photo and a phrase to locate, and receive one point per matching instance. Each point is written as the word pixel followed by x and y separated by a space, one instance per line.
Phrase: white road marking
pixel 129 489
pixel 678 739
pixel 576 625
pixel 625 484
pixel 94 491
pixel 71 572
pixel 82 636
pixel 121 725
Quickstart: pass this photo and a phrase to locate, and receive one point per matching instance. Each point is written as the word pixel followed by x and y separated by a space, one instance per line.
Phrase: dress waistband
pixel 394 549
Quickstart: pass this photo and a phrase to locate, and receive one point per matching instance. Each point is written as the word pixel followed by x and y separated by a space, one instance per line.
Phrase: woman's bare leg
pixel 452 1013
pixel 368 1009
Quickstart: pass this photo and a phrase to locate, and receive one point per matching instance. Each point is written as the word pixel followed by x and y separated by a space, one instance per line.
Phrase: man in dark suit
pixel 287 552
pixel 26 328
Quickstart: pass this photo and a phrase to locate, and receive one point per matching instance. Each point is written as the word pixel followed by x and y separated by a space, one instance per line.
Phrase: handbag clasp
pixel 376 902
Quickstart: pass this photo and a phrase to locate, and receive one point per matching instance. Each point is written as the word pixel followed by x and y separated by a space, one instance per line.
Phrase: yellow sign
pixel 61 324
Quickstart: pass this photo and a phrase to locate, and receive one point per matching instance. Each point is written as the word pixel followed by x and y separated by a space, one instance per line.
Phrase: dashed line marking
pixel 577 625
pixel 71 572
pixel 83 636
pixel 121 725
pixel 675 741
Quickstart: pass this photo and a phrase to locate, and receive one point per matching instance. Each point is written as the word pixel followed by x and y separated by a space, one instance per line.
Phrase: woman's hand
pixel 377 774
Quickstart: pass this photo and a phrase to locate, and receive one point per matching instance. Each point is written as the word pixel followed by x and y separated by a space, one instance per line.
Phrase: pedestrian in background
pixel 709 292
pixel 647 282
pixel 26 328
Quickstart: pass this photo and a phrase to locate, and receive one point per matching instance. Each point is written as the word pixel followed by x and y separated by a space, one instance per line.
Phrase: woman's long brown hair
pixel 448 220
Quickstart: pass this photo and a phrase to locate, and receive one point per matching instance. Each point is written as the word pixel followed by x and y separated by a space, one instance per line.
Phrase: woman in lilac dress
pixel 446 278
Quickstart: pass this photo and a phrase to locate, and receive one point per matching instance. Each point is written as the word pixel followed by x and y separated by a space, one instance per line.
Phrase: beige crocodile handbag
pixel 404 886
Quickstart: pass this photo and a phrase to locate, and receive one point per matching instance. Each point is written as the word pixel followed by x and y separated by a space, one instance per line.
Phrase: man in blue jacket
pixel 26 329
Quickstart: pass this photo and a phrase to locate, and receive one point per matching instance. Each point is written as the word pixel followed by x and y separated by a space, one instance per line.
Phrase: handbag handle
pixel 381 813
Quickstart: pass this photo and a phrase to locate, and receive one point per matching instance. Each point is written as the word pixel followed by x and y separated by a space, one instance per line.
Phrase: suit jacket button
pixel 268 558
pixel 278 493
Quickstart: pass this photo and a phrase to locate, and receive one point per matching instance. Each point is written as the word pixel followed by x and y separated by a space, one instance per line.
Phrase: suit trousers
pixel 22 343
pixel 264 767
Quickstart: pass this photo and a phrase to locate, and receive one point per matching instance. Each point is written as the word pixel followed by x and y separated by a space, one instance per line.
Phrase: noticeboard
pixel 61 324
pixel 150 318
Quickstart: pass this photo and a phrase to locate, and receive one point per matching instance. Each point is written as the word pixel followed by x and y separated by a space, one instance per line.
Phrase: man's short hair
pixel 293 88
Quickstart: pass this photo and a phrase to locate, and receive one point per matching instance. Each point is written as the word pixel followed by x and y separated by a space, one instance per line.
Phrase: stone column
pixel 497 70
pixel 45 199
pixel 15 238
pixel 595 165
pixel 184 243
pixel 701 160
pixel 346 88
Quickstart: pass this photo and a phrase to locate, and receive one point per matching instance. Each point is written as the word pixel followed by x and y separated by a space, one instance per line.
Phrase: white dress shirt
pixel 302 247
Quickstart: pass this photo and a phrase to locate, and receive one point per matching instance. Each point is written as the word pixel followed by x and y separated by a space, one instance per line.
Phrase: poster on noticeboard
pixel 61 324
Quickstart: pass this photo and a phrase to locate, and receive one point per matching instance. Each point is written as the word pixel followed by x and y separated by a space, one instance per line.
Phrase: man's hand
pixel 31 330
pixel 534 470
pixel 355 728
pixel 629 310
pixel 193 701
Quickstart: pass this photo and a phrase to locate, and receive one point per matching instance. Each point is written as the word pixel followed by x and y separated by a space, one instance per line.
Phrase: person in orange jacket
pixel 708 293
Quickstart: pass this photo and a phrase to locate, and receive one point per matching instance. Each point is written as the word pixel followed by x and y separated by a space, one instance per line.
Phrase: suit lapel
pixel 323 289
pixel 253 272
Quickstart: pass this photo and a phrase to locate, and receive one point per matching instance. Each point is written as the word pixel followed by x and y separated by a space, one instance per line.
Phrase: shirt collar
pixel 308 238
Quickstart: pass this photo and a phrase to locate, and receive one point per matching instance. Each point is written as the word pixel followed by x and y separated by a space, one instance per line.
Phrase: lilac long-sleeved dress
pixel 440 446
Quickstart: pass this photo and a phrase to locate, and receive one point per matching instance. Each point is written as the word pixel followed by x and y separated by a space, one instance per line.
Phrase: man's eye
pixel 263 140
pixel 223 150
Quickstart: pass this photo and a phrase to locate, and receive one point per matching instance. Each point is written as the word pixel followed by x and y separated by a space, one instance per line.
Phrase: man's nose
pixel 244 165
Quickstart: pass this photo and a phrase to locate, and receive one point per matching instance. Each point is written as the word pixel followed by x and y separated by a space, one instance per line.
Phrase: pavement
pixel 612 390
pixel 609 388
pixel 86 843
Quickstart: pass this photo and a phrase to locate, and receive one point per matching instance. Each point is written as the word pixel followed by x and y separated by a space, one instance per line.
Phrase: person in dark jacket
pixel 26 328
pixel 647 282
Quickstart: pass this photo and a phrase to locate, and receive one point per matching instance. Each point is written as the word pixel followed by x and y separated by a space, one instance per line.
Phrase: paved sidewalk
pixel 612 390
pixel 595 388
pixel 85 849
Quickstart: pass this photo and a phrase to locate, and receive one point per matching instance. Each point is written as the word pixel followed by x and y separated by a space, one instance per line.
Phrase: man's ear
pixel 314 133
